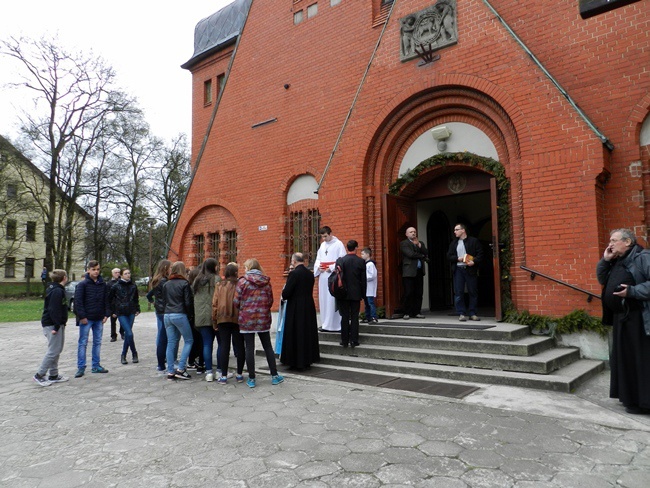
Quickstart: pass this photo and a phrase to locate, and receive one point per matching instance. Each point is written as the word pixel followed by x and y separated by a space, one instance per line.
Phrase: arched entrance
pixel 433 203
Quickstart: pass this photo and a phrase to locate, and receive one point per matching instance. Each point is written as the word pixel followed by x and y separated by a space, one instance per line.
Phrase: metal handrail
pixel 533 273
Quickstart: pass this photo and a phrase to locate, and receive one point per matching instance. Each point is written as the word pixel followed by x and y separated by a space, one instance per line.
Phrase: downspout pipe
pixel 208 130
pixel 604 139
pixel 354 101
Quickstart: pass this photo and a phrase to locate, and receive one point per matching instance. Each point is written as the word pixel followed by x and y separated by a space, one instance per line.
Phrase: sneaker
pixel 58 378
pixel 462 318
pixel 374 321
pixel 171 376
pixel 40 380
pixel 406 317
pixel 239 378
pixel 80 372
pixel 475 318
pixel 191 366
pixel 182 375
pixel 420 316
pixel 200 369
pixel 99 369
pixel 277 379
pixel 223 380
pixel 113 339
pixel 251 382
pixel 209 377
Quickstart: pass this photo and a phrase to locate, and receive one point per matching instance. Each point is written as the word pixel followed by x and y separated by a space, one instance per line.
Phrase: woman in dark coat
pixel 624 272
pixel 300 341
pixel 125 305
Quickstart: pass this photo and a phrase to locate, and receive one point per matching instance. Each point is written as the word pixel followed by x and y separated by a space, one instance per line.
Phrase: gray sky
pixel 145 41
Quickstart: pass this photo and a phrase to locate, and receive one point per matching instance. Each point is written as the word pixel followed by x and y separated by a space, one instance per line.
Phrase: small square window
pixel 30 232
pixel 312 10
pixel 297 17
pixel 334 2
pixel 207 92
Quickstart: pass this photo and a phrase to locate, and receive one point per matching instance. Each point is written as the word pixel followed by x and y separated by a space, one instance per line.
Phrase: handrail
pixel 533 273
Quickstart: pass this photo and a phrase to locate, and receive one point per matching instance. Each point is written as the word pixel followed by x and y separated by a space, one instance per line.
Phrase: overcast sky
pixel 145 41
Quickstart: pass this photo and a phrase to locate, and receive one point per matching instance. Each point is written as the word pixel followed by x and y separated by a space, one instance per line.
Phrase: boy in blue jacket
pixel 91 307
pixel 55 316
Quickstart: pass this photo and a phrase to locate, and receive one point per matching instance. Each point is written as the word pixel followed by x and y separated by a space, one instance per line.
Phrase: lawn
pixel 26 310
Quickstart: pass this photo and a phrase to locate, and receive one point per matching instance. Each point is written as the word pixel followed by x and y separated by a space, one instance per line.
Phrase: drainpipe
pixel 606 142
pixel 356 96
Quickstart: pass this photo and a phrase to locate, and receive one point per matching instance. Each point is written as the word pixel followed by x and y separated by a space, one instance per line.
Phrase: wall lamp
pixel 441 134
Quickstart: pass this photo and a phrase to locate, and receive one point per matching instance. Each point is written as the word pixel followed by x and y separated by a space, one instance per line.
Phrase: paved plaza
pixel 134 428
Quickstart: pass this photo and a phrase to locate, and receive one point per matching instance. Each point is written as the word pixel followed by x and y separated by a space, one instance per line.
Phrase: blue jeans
pixel 161 342
pixel 463 277
pixel 98 328
pixel 370 310
pixel 177 324
pixel 126 321
pixel 208 334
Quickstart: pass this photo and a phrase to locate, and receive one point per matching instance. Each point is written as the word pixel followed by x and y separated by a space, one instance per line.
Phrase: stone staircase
pixel 437 347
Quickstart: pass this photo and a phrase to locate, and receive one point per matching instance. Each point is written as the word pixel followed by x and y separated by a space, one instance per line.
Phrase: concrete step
pixel 565 379
pixel 446 328
pixel 526 346
pixel 543 363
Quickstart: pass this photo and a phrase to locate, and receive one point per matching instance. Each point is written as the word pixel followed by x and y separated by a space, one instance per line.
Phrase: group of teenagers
pixel 198 307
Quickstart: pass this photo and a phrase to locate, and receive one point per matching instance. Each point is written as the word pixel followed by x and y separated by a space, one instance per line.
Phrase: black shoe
pixel 171 376
pixel 634 410
pixel 341 344
pixel 114 339
pixel 354 344
pixel 182 375
pixel 190 366
pixel 123 359
pixel 200 369
pixel 135 358
pixel 122 336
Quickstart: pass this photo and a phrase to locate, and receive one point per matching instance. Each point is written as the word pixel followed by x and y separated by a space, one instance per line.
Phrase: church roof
pixel 218 30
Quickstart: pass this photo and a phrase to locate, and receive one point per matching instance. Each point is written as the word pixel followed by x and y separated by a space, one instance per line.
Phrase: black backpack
pixel 336 284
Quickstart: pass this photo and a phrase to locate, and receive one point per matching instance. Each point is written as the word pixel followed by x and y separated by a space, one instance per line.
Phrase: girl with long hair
pixel 179 308
pixel 155 296
pixel 124 304
pixel 203 288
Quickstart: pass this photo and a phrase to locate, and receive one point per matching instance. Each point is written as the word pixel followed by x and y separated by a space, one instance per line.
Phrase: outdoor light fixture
pixel 441 134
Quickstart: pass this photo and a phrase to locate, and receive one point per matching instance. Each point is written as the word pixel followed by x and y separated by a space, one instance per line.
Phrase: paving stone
pixel 440 448
pixel 362 463
pixel 316 469
pixel 520 469
pixel 366 445
pixel 407 474
pixel 575 480
pixel 487 478
pixel 636 478
pixel 481 458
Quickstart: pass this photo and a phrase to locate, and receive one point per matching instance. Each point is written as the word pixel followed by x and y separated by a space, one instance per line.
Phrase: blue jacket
pixel 91 299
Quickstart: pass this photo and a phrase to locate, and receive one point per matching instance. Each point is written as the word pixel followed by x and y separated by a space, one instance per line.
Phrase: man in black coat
pixel 354 278
pixel 300 340
pixel 414 257
pixel 465 253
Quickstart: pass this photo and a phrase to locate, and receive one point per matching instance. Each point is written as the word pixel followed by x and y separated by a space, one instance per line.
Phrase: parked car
pixel 69 294
pixel 142 281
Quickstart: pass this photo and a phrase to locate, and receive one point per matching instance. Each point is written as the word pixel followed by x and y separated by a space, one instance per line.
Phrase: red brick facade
pixel 567 190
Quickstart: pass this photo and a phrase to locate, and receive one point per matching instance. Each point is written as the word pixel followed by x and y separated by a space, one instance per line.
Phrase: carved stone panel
pixel 431 29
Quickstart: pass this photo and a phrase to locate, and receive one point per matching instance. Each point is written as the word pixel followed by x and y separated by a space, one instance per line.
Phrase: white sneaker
pixel 209 377
pixel 229 375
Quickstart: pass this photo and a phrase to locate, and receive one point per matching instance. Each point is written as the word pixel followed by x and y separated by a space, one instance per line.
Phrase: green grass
pixel 19 290
pixel 27 310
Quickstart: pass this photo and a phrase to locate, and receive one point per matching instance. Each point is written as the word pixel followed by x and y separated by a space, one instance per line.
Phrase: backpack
pixel 336 285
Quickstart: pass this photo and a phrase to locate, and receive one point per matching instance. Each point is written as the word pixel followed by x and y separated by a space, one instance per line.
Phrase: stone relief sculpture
pixel 431 29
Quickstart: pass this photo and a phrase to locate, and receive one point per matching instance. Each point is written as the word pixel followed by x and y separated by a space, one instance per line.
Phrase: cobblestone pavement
pixel 132 427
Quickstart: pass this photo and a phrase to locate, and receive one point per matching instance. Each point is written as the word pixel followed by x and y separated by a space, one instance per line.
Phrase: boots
pixel 124 361
pixel 135 358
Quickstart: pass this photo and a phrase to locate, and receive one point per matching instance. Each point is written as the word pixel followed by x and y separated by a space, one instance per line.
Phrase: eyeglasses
pixel 612 240
pixel 456 230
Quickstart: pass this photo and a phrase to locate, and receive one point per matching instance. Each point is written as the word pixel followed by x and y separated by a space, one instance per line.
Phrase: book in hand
pixel 468 258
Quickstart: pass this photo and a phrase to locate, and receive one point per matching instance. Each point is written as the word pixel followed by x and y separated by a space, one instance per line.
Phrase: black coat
pixel 300 341
pixel 156 293
pixel 473 247
pixel 123 298
pixel 178 297
pixel 354 276
pixel 91 299
pixel 55 311
pixel 411 254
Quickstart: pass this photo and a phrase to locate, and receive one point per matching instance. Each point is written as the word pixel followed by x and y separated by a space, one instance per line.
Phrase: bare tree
pixel 72 93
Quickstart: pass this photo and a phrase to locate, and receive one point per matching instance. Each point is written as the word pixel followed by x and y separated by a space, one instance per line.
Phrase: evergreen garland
pixel 496 169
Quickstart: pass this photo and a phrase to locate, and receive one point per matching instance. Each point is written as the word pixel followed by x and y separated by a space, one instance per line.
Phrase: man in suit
pixel 354 278
pixel 414 257
pixel 465 253
pixel 300 340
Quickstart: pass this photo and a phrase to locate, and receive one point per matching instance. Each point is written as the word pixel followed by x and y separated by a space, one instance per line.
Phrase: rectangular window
pixel 312 10
pixel 334 2
pixel 11 230
pixel 12 191
pixel 215 251
pixel 304 235
pixel 230 246
pixel 200 248
pixel 207 92
pixel 221 81
pixel 10 268
pixel 29 267
pixel 297 17
pixel 30 232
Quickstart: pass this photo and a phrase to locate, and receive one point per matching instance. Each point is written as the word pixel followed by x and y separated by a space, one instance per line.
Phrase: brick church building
pixel 526 121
